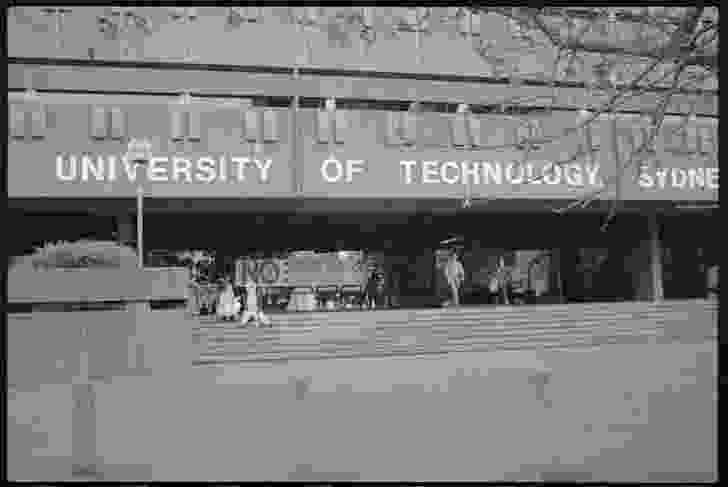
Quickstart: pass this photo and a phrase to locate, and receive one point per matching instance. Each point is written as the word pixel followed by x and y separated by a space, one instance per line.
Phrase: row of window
pixel 259 125
pixel 409 18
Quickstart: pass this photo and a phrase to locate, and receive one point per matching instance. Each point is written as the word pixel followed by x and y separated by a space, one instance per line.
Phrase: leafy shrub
pixel 81 254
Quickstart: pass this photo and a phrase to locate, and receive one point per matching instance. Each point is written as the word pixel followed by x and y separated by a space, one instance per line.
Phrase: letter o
pixel 269 272
pixel 325 172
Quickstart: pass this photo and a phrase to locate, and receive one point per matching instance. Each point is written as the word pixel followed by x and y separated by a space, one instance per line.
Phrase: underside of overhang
pixel 114 206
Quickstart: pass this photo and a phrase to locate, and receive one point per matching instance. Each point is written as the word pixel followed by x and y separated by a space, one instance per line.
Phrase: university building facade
pixel 267 136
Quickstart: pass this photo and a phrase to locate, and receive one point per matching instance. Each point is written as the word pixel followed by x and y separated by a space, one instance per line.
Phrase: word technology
pixel 162 169
pixel 477 172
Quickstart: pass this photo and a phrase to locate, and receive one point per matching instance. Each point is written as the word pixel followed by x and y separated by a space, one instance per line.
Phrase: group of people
pixel 230 307
pixel 454 275
pixel 498 285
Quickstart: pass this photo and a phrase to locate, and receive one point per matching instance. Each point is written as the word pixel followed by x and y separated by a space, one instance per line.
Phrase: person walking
pixel 253 310
pixel 501 285
pixel 455 275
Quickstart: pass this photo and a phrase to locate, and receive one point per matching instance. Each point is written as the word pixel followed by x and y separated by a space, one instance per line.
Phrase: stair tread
pixel 319 334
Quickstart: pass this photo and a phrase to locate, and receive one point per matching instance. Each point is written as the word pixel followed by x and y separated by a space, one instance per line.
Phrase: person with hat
pixel 455 275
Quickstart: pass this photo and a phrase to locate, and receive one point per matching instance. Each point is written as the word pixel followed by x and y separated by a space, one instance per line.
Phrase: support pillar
pixel 657 293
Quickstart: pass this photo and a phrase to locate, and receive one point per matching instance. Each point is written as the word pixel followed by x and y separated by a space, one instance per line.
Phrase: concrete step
pixel 388 345
pixel 441 341
pixel 497 314
pixel 335 333
pixel 458 322
pixel 397 315
pixel 571 341
pixel 453 328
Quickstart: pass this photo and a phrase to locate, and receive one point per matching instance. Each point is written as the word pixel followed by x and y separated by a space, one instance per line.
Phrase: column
pixel 556 284
pixel 657 293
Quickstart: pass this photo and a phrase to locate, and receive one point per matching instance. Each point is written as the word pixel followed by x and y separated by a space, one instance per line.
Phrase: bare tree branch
pixel 673 48
pixel 657 118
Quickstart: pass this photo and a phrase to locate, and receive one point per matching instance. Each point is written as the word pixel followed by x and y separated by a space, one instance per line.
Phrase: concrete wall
pixel 32 34
pixel 46 347
pixel 72 285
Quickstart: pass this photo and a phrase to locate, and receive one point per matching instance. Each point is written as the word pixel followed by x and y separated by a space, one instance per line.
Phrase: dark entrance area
pixel 691 246
pixel 560 258
pixel 580 262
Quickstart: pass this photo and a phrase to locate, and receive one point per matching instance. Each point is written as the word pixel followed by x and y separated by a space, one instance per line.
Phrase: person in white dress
pixel 253 310
pixel 455 275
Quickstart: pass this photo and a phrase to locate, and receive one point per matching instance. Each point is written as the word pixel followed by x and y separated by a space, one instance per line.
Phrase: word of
pixel 332 170
pixel 472 172
pixel 161 169
pixel 676 177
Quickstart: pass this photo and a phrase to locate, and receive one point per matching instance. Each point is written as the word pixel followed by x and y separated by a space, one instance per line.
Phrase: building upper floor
pixel 395 89
pixel 71 145
pixel 454 46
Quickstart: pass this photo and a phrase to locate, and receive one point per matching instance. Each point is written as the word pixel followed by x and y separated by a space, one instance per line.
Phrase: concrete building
pixel 269 135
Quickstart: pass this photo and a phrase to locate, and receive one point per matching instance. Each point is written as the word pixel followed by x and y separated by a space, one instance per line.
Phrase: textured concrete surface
pixel 619 412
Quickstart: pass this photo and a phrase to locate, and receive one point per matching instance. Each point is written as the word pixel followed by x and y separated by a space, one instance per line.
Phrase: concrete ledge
pixel 74 285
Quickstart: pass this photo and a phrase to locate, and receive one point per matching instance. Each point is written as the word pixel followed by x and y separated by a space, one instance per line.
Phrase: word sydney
pixel 162 169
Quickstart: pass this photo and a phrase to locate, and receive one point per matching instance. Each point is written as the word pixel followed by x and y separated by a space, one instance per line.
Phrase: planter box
pixel 81 285
pixel 76 348
pixel 47 346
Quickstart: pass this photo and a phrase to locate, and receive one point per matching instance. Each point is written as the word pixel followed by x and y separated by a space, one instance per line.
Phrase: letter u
pixel 72 162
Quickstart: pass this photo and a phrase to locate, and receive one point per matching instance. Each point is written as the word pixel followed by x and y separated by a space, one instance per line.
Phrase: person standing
pixel 713 282
pixel 370 291
pixel 504 281
pixel 455 275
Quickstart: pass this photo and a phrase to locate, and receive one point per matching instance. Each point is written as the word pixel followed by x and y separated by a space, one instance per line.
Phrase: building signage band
pixel 175 169
pixel 235 169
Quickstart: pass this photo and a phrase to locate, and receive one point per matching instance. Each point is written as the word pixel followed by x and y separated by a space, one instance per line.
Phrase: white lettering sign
pixel 157 169
pixel 177 169
pixel 677 177
pixel 489 172
pixel 333 170
pixel 326 168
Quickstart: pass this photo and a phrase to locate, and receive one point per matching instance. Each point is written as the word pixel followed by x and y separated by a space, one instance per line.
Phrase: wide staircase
pixel 320 335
